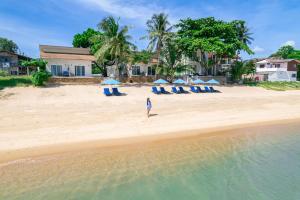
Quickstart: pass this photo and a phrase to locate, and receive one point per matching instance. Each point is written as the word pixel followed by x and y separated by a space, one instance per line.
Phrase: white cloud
pixel 290 43
pixel 131 9
pixel 258 49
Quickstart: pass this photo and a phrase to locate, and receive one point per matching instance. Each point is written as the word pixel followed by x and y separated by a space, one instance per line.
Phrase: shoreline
pixel 126 142
pixel 35 120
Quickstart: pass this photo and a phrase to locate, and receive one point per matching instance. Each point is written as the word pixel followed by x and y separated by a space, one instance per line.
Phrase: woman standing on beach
pixel 149 106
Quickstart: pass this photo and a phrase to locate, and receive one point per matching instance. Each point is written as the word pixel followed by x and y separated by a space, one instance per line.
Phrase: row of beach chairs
pixel 180 90
pixel 114 92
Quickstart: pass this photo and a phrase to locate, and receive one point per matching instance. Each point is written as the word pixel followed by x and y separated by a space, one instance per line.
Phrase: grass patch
pixel 15 81
pixel 278 85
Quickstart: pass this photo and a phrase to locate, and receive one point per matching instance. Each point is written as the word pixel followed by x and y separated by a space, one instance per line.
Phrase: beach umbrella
pixel 213 81
pixel 198 81
pixel 179 81
pixel 110 82
pixel 160 81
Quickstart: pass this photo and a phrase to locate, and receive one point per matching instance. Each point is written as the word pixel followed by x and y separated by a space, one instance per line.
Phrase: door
pixel 79 71
pixel 56 70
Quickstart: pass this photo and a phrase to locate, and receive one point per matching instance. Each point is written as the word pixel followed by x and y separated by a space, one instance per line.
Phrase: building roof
pixel 276 61
pixel 69 53
pixel 21 57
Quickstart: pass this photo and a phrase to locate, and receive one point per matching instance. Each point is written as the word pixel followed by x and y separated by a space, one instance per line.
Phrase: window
pixel 56 70
pixel 261 66
pixel 151 71
pixel 277 65
pixel 293 75
pixel 79 71
pixel 136 71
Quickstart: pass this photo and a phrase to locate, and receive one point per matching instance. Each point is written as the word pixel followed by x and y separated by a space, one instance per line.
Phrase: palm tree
pixel 158 28
pixel 243 35
pixel 115 46
pixel 171 65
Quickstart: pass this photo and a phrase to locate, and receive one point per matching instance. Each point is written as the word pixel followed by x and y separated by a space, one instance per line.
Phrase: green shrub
pixel 3 73
pixel 40 77
pixel 15 81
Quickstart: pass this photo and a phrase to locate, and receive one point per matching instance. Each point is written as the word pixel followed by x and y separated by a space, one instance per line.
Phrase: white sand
pixel 32 117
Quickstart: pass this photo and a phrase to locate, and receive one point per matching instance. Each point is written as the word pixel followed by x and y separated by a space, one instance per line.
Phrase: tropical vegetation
pixel 287 52
pixel 40 76
pixel 207 41
pixel 8 45
pixel 158 28
pixel 15 81
pixel 171 60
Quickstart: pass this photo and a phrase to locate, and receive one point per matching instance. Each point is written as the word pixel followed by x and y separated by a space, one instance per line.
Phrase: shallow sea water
pixel 249 164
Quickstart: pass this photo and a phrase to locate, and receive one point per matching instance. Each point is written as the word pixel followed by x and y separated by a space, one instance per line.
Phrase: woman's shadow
pixel 152 115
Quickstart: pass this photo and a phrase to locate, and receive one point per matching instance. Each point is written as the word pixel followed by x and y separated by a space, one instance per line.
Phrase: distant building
pixel 220 67
pixel 277 70
pixel 10 62
pixel 67 61
pixel 133 70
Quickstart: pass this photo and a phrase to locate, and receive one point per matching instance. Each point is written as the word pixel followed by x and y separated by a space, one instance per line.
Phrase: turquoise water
pixel 249 164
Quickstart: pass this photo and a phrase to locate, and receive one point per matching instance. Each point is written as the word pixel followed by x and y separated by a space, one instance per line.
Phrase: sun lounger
pixel 182 90
pixel 107 92
pixel 163 91
pixel 207 89
pixel 200 90
pixel 194 89
pixel 155 90
pixel 116 92
pixel 174 89
pixel 212 89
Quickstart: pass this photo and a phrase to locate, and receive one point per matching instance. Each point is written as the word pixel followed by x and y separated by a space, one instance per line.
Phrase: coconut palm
pixel 158 27
pixel 243 35
pixel 115 46
pixel 171 65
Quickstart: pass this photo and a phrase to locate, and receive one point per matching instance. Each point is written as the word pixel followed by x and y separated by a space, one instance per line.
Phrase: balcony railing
pixel 270 69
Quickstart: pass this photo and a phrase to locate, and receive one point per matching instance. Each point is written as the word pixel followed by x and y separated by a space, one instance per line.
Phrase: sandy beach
pixel 66 114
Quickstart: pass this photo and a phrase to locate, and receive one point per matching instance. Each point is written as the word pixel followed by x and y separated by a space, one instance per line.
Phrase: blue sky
pixel 33 22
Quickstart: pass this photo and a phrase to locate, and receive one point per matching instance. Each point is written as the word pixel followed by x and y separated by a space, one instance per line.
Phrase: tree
pixel 158 28
pixel 40 76
pixel 141 56
pixel 171 65
pixel 84 40
pixel 115 48
pixel 237 70
pixel 208 40
pixel 243 34
pixel 284 51
pixel 249 67
pixel 8 45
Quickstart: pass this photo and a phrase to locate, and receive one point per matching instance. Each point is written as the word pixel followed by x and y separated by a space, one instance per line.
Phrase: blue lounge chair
pixel 107 92
pixel 155 90
pixel 116 92
pixel 200 90
pixel 212 89
pixel 163 91
pixel 194 89
pixel 174 89
pixel 207 89
pixel 182 90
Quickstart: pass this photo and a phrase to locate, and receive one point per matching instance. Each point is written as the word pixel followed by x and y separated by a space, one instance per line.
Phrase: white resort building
pixel 67 61
pixel 277 70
